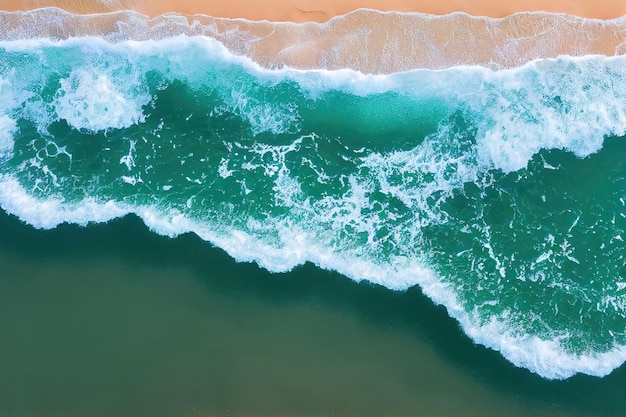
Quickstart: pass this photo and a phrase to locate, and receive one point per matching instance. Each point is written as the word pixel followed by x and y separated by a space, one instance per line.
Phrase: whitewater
pixel 500 193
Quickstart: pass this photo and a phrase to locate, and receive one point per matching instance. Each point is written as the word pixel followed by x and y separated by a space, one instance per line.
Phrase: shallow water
pixel 114 320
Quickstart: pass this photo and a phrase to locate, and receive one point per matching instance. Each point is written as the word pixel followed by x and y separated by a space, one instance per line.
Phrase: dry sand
pixel 322 10
pixel 365 40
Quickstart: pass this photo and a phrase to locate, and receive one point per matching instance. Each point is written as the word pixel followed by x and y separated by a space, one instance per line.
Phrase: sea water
pixel 501 194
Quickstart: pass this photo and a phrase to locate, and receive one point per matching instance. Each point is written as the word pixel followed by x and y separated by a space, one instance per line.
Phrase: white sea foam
pixel 564 103
pixel 8 128
pixel 377 42
pixel 545 357
pixel 103 92
pixel 567 104
pixel 111 92
pixel 94 99
pixel 263 116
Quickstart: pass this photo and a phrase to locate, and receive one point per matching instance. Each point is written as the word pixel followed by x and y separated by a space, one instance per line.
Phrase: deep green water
pixel 501 195
pixel 115 320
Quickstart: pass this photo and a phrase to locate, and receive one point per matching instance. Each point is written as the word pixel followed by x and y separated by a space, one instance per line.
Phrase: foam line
pixel 365 40
pixel 360 204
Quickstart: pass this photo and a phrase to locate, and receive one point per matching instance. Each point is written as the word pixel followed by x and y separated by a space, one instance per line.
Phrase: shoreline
pixel 169 308
pixel 300 11
pixel 368 41
pixel 376 38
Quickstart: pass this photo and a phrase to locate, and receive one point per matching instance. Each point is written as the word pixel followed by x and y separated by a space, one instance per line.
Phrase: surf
pixel 458 180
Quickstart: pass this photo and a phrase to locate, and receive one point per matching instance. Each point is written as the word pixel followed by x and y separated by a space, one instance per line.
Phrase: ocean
pixel 203 234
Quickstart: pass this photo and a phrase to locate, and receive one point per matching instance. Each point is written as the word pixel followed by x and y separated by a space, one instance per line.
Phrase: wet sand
pixel 365 40
pixel 112 320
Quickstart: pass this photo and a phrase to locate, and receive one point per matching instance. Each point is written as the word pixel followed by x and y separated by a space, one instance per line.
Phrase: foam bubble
pixel 51 212
pixel 544 357
pixel 109 90
pixel 263 116
pixel 94 100
pixel 8 128
pixel 297 245
pixel 562 104
pixel 565 103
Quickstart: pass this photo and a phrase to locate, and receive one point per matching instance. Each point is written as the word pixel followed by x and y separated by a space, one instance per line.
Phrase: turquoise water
pixel 501 195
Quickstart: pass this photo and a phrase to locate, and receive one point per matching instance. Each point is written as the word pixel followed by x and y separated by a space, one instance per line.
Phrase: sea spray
pixel 501 194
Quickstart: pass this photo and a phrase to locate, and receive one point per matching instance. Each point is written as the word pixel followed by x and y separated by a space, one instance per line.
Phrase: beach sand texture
pixel 320 11
pixel 366 40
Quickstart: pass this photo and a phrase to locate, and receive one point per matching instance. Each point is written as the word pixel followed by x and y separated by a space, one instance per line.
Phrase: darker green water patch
pixel 114 320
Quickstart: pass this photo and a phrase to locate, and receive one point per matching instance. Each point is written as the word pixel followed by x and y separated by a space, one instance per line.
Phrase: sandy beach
pixel 490 34
pixel 320 11
pixel 366 40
